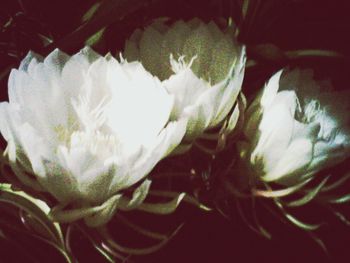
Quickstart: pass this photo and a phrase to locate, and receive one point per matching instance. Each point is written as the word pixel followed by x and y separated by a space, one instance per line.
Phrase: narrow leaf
pixel 162 208
pixel 280 193
pixel 36 208
pixel 308 197
pixel 91 12
pixel 187 198
pixel 295 54
pixel 340 200
pixel 295 221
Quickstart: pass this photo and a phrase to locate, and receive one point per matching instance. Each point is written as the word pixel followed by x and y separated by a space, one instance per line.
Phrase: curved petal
pixel 166 142
pixel 295 159
pixel 186 88
pixel 270 90
pixel 230 91
pixel 29 58
pixel 134 92
pixel 276 130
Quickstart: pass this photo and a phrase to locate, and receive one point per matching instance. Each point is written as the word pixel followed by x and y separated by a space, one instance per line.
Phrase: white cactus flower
pixel 295 128
pixel 85 127
pixel 198 63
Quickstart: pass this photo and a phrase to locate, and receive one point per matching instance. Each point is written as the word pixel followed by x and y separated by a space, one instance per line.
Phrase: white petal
pixel 16 84
pixel 28 59
pixel 6 125
pixel 55 62
pixel 295 159
pixel 187 88
pixel 74 78
pixel 199 120
pixel 276 130
pixel 27 89
pixel 270 90
pixel 140 106
pixel 166 142
pixel 35 148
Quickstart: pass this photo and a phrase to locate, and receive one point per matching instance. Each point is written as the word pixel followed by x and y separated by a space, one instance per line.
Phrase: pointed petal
pixel 28 59
pixel 270 90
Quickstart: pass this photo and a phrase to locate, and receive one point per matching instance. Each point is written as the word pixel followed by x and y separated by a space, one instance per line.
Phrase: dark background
pixel 205 237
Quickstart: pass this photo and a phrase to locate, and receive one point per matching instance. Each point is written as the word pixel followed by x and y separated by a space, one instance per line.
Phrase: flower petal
pixel 166 142
pixel 270 90
pixel 295 159
pixel 134 92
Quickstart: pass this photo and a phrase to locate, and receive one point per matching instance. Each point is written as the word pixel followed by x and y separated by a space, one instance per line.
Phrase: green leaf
pixel 308 197
pixel 162 208
pixel 187 198
pixel 245 6
pixel 295 221
pixel 320 243
pixel 93 216
pixel 113 245
pixel 295 54
pixel 280 193
pixel 139 229
pixel 300 224
pixel 96 38
pixel 34 207
pixel 91 12
pixel 341 217
pixel 101 248
pixel 336 184
pixel 340 200
pixel 139 195
pixel 109 12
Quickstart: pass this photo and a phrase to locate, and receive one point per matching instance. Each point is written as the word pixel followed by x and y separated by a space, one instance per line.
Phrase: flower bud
pixel 295 128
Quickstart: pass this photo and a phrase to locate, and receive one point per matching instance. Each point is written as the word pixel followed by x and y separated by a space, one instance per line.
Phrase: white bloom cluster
pixel 85 128
pixel 295 127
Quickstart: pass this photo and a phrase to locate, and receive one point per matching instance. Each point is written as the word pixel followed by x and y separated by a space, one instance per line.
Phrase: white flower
pixel 198 63
pixel 86 127
pixel 295 128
